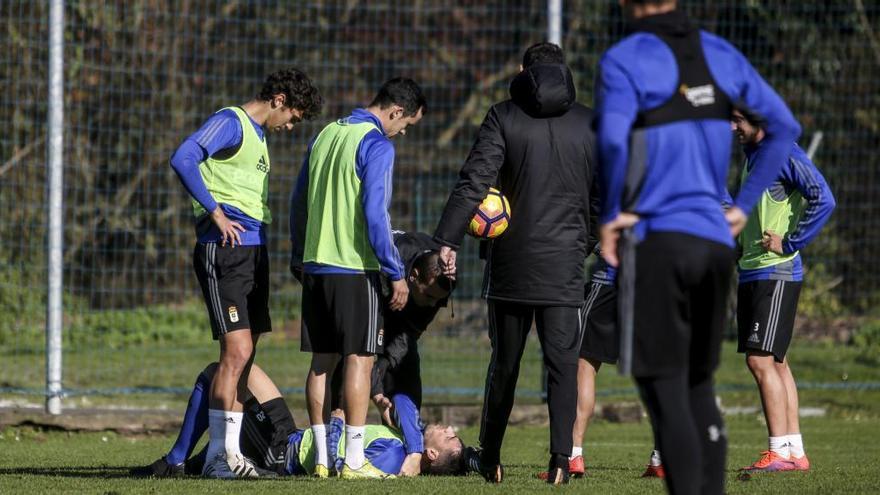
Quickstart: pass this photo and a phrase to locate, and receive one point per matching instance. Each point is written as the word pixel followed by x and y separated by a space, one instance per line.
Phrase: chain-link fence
pixel 140 76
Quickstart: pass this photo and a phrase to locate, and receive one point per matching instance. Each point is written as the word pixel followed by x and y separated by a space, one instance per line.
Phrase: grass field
pixel 845 454
pixel 830 374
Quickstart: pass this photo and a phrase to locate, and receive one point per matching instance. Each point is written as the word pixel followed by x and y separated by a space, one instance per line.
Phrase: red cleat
pixel 654 472
pixel 801 463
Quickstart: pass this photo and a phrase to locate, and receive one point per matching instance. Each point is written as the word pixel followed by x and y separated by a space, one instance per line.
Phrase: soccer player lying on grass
pixel 270 439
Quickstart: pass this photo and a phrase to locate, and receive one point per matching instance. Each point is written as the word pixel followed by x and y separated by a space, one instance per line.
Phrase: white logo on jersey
pixel 233 314
pixel 381 336
pixel 699 96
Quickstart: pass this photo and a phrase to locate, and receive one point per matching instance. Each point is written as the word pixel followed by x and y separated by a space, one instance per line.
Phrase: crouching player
pixel 270 439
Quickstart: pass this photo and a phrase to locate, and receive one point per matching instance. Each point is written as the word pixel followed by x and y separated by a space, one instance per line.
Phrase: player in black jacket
pixel 537 149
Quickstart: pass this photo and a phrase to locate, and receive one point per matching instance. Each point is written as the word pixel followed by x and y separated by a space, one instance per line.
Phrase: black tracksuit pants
pixel 681 288
pixel 559 333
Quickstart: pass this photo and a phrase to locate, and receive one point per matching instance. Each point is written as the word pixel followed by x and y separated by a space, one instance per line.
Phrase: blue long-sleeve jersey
pixel 220 133
pixel 685 162
pixel 797 173
pixel 374 165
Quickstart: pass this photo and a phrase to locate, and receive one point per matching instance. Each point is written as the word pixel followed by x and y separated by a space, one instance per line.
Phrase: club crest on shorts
pixel 233 314
pixel 381 336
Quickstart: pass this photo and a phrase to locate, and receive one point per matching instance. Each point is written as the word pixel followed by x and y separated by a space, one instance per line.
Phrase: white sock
pixel 576 451
pixel 655 458
pixel 233 422
pixel 796 445
pixel 354 446
pixel 319 440
pixel 780 446
pixel 216 433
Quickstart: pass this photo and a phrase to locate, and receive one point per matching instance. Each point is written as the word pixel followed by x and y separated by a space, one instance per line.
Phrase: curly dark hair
pixel 298 89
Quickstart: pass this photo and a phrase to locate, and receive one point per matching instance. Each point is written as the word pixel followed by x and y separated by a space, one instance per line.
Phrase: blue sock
pixel 195 422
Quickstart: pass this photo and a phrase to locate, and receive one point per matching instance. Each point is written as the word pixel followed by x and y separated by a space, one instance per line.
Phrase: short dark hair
pixel 297 88
pixel 401 91
pixel 542 53
pixel 448 463
pixel 428 265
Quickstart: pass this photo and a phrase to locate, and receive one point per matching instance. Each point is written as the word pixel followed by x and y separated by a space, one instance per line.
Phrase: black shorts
pixel 259 439
pixel 601 340
pixel 342 314
pixel 681 287
pixel 235 284
pixel 765 314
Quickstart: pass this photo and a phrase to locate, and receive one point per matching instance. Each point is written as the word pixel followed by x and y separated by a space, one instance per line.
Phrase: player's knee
pixel 236 358
pixel 760 363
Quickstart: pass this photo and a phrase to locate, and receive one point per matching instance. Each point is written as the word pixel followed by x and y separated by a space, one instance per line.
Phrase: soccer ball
pixel 492 216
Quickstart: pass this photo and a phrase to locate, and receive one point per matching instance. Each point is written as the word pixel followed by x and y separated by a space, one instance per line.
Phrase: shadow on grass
pixel 107 472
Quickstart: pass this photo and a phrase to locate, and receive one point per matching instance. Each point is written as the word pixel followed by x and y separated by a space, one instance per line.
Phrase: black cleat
pixel 159 469
pixel 557 472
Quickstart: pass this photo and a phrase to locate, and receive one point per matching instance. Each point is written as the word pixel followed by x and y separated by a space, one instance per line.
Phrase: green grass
pixel 446 362
pixel 844 453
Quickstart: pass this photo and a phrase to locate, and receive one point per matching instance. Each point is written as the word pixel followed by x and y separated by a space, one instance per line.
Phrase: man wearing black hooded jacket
pixel 536 148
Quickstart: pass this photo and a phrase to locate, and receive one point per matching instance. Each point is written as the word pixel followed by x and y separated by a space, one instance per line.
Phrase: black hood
pixel 674 23
pixel 543 90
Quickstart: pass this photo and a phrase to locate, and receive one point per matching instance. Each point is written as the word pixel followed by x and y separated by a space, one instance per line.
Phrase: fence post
pixel 55 211
pixel 554 22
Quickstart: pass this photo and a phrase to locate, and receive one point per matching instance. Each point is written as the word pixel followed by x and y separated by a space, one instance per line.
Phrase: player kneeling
pixel 275 446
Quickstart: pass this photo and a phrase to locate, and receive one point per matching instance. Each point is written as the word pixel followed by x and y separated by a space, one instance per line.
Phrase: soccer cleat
pixel 158 469
pixel 653 471
pixel 218 467
pixel 770 462
pixel 493 473
pixel 321 471
pixel 801 463
pixel 557 472
pixel 575 468
pixel 365 472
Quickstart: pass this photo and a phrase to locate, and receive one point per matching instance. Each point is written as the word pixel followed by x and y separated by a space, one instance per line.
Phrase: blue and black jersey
pixel 673 172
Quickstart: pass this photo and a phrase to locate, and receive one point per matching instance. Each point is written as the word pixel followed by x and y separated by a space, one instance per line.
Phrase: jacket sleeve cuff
pixel 788 247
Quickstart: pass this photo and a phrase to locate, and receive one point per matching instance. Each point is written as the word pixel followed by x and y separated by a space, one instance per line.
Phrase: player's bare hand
pixel 447 261
pixel 771 241
pixel 412 465
pixel 736 219
pixel 609 234
pixel 399 294
pixel 381 401
pixel 229 230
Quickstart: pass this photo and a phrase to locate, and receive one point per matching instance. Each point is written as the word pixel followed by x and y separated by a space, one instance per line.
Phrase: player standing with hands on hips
pixel 664 99
pixel 532 147
pixel 225 168
pixel 789 214
pixel 341 242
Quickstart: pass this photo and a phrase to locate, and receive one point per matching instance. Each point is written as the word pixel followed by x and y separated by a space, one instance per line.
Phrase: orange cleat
pixel 801 463
pixel 575 469
pixel 770 462
pixel 653 471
